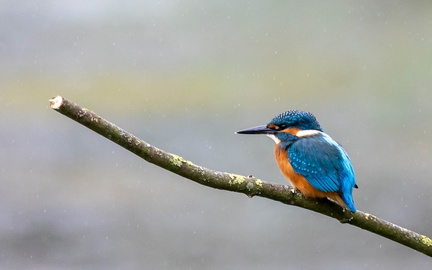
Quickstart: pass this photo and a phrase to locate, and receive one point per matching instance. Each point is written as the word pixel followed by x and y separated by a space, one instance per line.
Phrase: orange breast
pixel 299 181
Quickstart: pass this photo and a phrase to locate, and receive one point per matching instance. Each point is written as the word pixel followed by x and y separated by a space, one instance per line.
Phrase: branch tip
pixel 56 102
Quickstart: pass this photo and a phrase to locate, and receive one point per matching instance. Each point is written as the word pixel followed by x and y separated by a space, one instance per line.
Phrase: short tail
pixel 342 200
pixel 349 202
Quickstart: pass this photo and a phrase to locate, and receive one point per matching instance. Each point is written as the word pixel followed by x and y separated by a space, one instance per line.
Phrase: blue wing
pixel 324 164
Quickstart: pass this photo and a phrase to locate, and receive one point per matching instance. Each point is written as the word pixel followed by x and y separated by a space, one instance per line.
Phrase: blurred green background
pixel 184 75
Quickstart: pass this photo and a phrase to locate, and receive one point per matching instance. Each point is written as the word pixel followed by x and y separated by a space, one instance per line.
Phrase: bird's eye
pixel 276 127
pixel 281 127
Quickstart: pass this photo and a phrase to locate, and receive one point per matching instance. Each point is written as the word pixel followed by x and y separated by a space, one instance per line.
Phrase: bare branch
pixel 248 185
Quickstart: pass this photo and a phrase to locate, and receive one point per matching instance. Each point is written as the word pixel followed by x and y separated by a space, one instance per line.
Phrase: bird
pixel 313 163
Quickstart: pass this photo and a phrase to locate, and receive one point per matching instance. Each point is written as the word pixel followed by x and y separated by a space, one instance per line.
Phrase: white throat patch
pixel 274 138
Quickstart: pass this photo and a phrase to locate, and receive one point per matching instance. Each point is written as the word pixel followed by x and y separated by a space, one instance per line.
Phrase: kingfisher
pixel 311 160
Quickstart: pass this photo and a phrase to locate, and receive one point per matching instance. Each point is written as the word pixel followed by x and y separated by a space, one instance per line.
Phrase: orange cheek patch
pixel 292 131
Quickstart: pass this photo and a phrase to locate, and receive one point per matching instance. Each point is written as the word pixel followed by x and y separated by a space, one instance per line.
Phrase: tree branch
pixel 248 185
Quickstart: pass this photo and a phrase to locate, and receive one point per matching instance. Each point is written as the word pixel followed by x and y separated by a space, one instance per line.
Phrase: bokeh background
pixel 184 75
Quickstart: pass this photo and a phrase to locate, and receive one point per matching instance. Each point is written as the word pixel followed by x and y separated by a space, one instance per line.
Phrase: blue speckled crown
pixel 296 119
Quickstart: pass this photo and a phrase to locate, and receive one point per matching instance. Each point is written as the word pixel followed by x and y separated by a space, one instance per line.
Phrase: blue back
pixel 324 164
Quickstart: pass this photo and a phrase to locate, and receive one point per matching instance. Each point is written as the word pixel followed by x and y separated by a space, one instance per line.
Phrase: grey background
pixel 184 75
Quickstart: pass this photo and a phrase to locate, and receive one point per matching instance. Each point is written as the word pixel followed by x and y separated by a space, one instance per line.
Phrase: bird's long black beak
pixel 257 130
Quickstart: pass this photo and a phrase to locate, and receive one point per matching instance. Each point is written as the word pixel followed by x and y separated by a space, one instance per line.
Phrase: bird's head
pixel 286 125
